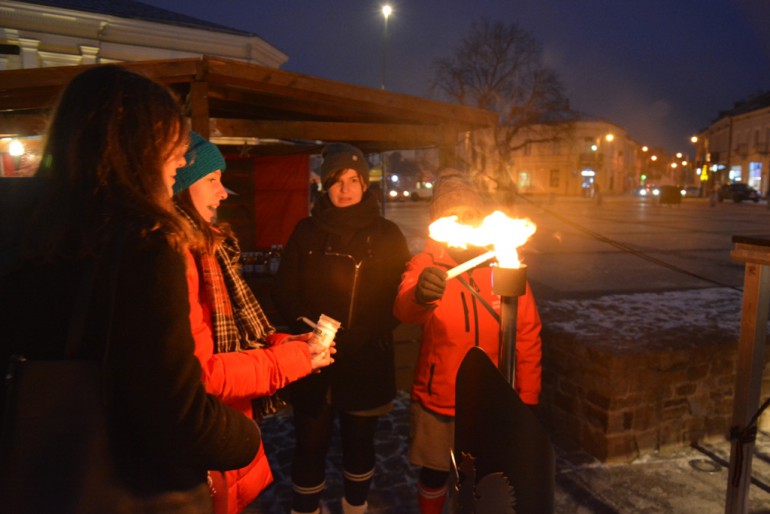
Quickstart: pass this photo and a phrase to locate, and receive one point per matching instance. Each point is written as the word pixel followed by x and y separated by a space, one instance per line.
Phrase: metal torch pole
pixel 509 284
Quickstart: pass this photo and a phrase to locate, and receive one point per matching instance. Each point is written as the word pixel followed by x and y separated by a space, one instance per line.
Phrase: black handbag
pixel 55 453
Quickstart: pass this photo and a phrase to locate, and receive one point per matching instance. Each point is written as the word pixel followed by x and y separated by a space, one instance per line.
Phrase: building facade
pixel 736 146
pixel 47 33
pixel 73 32
pixel 598 156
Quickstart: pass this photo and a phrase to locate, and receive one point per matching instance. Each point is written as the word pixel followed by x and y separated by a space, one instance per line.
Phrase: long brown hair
pixel 108 139
pixel 211 235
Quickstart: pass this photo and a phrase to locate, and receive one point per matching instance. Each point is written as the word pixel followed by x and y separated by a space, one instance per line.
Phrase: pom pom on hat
pixel 342 156
pixel 203 157
pixel 453 189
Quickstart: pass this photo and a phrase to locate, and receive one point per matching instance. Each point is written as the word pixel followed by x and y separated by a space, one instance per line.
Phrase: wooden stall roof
pixel 278 111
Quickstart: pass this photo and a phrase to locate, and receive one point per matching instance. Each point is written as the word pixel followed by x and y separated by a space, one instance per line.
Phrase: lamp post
pixel 603 164
pixel 387 10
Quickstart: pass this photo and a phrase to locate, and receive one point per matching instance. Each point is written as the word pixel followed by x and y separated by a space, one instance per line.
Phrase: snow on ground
pixel 630 318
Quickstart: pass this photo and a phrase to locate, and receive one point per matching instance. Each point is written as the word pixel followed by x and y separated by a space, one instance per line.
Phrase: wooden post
pixel 199 107
pixel 755 253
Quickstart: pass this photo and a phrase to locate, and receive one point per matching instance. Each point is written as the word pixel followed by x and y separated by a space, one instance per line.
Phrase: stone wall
pixel 621 403
pixel 625 376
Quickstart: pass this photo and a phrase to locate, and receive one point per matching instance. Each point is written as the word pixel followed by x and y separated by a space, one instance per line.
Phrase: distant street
pixel 583 249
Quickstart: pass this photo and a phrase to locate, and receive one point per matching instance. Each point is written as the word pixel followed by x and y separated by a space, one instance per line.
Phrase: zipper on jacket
pixel 465 312
pixel 353 293
pixel 475 320
pixel 474 301
pixel 356 273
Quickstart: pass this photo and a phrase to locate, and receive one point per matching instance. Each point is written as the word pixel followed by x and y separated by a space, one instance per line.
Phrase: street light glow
pixel 694 139
pixel 609 137
pixel 16 148
pixel 387 10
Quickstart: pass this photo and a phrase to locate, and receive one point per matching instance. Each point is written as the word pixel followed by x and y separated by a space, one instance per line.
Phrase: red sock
pixel 431 501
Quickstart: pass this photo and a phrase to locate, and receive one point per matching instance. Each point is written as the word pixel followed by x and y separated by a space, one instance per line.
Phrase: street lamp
pixel 387 10
pixel 16 150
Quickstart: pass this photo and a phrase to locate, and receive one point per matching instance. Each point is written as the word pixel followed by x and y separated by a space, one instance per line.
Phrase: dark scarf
pixel 345 221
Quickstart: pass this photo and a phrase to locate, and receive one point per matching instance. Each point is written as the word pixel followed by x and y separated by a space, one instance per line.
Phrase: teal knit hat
pixel 203 157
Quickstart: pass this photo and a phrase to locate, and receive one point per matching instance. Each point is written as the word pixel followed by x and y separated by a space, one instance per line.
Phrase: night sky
pixel 661 69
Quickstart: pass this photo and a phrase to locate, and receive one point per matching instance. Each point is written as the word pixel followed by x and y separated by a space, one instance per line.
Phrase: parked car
pixel 738 192
pixel 422 190
pixel 692 191
pixel 647 191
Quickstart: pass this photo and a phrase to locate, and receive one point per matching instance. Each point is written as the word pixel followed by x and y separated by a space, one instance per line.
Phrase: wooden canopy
pixel 276 111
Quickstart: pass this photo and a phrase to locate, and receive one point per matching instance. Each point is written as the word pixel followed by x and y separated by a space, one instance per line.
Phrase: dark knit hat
pixel 453 189
pixel 342 156
pixel 203 157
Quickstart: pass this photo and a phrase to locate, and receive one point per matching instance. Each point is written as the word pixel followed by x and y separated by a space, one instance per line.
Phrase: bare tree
pixel 499 68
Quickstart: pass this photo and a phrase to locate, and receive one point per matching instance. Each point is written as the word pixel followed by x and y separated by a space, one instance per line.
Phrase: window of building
pixel 554 178
pixel 525 181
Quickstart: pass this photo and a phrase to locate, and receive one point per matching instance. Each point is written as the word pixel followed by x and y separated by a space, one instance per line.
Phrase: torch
pixel 509 279
pixel 500 442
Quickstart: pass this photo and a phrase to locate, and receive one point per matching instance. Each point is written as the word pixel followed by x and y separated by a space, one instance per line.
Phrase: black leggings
pixel 313 433
pixel 433 478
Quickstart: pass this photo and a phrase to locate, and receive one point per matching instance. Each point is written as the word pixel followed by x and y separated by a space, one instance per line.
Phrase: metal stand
pixel 509 284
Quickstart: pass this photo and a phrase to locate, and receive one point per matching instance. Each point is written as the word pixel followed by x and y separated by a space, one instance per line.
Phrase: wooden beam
pixel 244 101
pixel 29 98
pixel 430 135
pixel 22 125
pixel 270 79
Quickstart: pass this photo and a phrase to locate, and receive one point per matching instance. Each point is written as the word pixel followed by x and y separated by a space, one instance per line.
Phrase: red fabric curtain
pixel 281 197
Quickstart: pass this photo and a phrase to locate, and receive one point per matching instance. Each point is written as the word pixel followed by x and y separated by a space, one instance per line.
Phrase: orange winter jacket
pixel 456 323
pixel 238 377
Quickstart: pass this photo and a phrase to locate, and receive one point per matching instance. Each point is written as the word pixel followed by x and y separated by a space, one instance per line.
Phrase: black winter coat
pixel 355 282
pixel 166 430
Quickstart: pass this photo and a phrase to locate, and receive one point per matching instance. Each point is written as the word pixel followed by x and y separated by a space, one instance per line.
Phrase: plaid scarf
pixel 246 326
pixel 239 323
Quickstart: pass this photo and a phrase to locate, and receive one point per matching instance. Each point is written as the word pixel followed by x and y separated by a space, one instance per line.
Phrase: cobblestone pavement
pixel 689 482
pixel 692 481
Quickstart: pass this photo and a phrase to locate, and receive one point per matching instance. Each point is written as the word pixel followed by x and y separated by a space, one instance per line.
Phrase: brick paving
pixel 688 482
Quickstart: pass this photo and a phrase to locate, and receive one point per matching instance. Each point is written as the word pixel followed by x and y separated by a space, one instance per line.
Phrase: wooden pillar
pixel 447 148
pixel 755 253
pixel 199 107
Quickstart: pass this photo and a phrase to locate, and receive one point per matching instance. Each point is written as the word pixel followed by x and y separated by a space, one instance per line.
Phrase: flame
pixel 497 230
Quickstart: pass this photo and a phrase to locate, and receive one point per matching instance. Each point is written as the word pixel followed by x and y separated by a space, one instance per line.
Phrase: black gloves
pixel 430 285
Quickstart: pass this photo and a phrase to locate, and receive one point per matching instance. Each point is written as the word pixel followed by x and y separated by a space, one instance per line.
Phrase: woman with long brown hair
pixel 102 195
